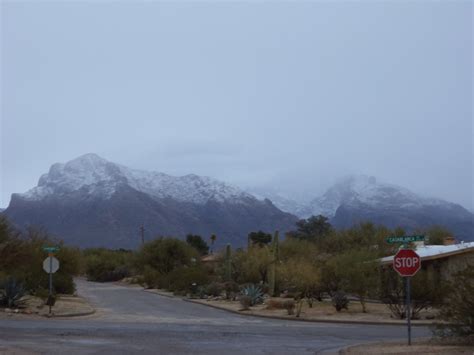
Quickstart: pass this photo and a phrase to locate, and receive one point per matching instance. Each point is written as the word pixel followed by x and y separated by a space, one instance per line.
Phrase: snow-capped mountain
pixel 90 201
pixel 93 175
pixel 361 189
pixel 362 198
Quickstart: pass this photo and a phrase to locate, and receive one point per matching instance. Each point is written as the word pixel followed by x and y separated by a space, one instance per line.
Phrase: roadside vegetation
pixel 21 265
pixel 315 267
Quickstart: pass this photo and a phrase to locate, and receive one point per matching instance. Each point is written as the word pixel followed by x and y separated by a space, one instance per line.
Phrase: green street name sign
pixel 51 249
pixel 406 239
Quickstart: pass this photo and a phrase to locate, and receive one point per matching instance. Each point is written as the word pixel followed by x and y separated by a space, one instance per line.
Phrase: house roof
pixel 210 258
pixel 430 252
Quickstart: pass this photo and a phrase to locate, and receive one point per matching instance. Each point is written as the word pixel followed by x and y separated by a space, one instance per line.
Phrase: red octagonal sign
pixel 406 262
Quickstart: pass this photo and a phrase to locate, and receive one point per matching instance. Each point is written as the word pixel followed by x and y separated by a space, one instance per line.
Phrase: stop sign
pixel 406 262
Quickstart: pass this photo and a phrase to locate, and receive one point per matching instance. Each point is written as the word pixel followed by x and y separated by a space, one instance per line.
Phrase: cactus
pixel 272 269
pixel 254 293
pixel 11 293
pixel 228 263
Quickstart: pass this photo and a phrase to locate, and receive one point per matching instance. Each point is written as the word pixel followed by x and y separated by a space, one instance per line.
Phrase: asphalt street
pixel 130 320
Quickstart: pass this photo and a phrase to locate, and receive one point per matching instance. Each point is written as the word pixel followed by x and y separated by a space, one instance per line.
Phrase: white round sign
pixel 50 264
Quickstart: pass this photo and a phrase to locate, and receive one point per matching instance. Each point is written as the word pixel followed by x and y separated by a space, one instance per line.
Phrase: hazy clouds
pixel 291 95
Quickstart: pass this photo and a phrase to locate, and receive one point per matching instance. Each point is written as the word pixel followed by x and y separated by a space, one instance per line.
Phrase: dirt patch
pixel 424 347
pixel 324 311
pixel 65 306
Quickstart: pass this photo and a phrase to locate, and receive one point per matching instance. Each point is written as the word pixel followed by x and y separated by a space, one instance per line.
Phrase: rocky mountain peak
pixel 95 176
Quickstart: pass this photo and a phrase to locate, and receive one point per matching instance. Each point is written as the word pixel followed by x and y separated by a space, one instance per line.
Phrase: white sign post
pixel 50 265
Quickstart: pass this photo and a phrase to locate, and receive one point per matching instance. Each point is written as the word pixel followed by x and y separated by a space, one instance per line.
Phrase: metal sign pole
pixel 408 304
pixel 50 281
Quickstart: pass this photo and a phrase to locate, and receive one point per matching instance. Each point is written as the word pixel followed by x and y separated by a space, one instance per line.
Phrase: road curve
pixel 129 321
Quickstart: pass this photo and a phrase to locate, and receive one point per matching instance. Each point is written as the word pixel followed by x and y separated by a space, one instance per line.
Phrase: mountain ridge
pixel 125 198
pixel 116 200
pixel 360 198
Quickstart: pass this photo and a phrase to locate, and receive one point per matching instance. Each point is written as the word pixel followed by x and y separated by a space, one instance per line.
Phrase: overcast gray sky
pixel 290 95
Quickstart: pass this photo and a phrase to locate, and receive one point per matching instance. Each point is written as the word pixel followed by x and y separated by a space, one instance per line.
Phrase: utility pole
pixel 142 233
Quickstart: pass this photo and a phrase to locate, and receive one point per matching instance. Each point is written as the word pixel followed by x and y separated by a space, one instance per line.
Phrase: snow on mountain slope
pixel 96 176
pixel 361 189
pixel 279 199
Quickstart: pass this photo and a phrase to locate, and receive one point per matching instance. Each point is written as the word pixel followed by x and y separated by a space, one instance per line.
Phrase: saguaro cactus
pixel 272 269
pixel 228 264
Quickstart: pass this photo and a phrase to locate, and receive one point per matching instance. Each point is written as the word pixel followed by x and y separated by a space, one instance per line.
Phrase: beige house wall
pixel 456 263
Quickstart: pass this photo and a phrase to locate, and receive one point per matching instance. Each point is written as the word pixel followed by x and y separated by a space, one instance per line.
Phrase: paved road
pixel 130 320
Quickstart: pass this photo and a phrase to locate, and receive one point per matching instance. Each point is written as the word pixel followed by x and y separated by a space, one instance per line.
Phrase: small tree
pixel 427 290
pixel 260 238
pixel 251 266
pixel 302 276
pixel 312 228
pixel 197 243
pixel 357 273
pixel 437 235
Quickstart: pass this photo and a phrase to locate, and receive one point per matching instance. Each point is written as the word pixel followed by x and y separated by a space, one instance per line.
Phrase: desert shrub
pixel 231 288
pixel 22 255
pixel 254 293
pixel 150 278
pixel 186 278
pixel 104 265
pixel 289 305
pixel 165 254
pixel 201 292
pixel 245 302
pixel 42 293
pixel 63 283
pixel 11 291
pixel 427 290
pixel 340 301
pixel 214 289
pixel 274 304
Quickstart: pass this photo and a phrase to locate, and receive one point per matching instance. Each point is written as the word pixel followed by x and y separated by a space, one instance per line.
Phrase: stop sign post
pixel 407 263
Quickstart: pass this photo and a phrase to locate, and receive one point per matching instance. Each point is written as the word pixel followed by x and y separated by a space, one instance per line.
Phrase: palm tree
pixel 213 239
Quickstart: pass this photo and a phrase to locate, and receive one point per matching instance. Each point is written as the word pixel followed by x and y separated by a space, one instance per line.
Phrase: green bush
pixel 187 278
pixel 165 254
pixel 151 277
pixel 231 288
pixel 214 289
pixel 245 301
pixel 63 283
pixel 104 265
pixel 22 255
pixel 340 301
